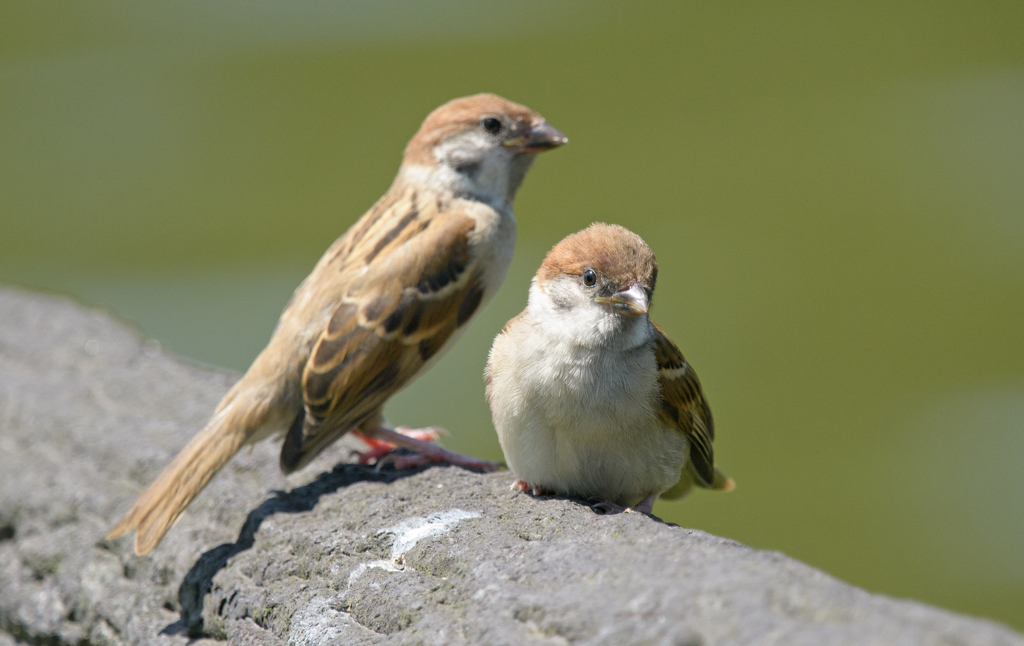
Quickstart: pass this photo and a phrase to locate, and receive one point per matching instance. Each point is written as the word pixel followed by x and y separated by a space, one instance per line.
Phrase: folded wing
pixel 683 406
pixel 417 285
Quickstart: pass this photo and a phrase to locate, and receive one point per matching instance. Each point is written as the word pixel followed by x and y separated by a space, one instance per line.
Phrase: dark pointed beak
pixel 631 301
pixel 538 137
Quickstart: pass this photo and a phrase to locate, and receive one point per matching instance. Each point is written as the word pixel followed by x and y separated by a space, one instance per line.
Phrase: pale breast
pixel 493 240
pixel 581 421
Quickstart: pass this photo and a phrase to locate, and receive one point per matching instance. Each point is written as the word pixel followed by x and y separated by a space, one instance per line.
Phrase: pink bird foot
pixel 522 485
pixel 379 448
pixel 421 442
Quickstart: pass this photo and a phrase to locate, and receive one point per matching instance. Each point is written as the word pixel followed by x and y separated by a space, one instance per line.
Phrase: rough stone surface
pixel 341 554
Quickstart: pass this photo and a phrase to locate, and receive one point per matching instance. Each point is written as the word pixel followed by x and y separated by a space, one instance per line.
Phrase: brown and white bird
pixel 382 305
pixel 589 397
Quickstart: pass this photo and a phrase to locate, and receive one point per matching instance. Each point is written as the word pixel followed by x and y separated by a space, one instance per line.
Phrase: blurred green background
pixel 835 194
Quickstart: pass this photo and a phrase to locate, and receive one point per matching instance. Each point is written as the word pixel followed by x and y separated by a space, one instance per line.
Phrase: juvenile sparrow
pixel 589 397
pixel 382 305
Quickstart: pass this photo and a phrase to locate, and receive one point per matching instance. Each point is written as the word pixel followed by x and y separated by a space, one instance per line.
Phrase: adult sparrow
pixel 384 303
pixel 589 397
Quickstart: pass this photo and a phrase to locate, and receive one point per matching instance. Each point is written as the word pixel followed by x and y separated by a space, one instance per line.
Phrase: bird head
pixel 596 284
pixel 480 145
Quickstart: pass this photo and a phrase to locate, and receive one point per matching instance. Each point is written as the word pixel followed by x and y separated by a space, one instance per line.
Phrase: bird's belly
pixel 587 443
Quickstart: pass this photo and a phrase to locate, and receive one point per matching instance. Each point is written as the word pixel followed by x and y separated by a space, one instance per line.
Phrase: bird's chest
pixel 492 240
pixel 594 393
pixel 593 403
pixel 590 426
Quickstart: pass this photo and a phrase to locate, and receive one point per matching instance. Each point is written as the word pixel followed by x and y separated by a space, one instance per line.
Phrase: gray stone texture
pixel 90 412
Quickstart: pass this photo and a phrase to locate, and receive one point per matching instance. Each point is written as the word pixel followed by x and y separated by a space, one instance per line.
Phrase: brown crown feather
pixel 458 114
pixel 614 252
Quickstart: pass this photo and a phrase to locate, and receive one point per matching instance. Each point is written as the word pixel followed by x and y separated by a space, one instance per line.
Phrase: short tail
pixel 722 482
pixel 689 480
pixel 165 500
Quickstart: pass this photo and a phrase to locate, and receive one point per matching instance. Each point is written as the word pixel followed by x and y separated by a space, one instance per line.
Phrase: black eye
pixel 589 277
pixel 491 125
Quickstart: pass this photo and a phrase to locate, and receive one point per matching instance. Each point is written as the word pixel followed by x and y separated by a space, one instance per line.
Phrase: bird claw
pixel 522 485
pixel 442 455
pixel 428 434
pixel 381 452
pixel 400 461
pixel 374 455
pixel 607 507
pixel 377 449
pixel 451 457
pixel 420 442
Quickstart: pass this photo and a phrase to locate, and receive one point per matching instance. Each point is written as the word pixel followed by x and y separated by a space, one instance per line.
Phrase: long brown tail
pixel 165 500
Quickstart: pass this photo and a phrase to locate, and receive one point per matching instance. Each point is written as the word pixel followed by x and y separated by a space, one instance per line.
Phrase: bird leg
pixel 378 448
pixel 522 485
pixel 383 441
pixel 607 507
pixel 645 506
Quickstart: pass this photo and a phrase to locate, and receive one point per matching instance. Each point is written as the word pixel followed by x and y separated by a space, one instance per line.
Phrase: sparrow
pixel 588 395
pixel 382 305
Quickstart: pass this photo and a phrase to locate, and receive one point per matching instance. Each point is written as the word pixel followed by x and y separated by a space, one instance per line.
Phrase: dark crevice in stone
pixel 199 580
pixel 23 635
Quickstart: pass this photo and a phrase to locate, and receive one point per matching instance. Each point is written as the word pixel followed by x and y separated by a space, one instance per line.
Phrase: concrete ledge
pixel 342 554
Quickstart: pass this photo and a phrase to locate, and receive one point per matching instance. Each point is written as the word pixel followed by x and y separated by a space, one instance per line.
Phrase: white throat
pixel 585 323
pixel 467 168
pixel 447 180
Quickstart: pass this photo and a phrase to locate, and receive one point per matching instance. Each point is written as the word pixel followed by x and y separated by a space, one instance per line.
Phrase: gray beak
pixel 538 137
pixel 632 301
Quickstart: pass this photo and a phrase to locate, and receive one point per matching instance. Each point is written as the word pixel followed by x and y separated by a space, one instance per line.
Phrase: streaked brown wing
pixel 397 217
pixel 683 405
pixel 417 289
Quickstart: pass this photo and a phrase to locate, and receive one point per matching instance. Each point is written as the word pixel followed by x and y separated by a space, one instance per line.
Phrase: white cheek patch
pixel 486 166
pixel 572 317
pixel 466 147
pixel 568 314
